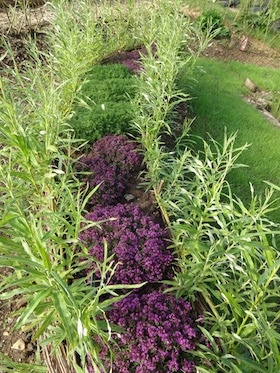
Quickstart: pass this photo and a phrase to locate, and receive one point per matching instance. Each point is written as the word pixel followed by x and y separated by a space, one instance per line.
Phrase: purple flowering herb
pixel 133 65
pixel 132 59
pixel 111 162
pixel 138 243
pixel 159 331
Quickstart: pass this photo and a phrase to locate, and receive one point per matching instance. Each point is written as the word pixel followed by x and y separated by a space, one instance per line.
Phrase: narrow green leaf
pixel 253 364
pixel 43 326
pixel 66 318
pixel 210 339
pixel 8 243
pixel 64 287
pixel 31 307
pixel 13 261
pixel 7 218
pixel 235 307
pixel 10 294
pixel 203 370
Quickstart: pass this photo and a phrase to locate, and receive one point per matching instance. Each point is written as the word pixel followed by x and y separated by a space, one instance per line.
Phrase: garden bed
pixel 162 209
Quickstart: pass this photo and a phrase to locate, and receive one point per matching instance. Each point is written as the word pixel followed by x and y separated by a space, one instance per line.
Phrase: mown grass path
pixel 219 103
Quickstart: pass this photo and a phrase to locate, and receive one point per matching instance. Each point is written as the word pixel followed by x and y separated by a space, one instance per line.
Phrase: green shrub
pixel 212 21
pixel 256 20
pixel 41 201
pixel 227 255
pixel 111 89
pixel 102 119
pixel 106 94
pixel 102 72
pixel 226 252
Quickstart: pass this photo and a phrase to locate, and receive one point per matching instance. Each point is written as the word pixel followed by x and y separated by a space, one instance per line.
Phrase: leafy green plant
pixel 106 118
pixel 227 252
pixel 41 201
pixel 102 72
pixel 256 20
pixel 41 217
pixel 212 21
pixel 228 258
pixel 157 86
pixel 257 17
pixel 234 246
pixel 104 102
pixel 113 89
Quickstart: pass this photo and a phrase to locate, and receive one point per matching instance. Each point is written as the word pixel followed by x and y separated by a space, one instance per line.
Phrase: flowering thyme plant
pixel 132 59
pixel 111 162
pixel 159 332
pixel 139 244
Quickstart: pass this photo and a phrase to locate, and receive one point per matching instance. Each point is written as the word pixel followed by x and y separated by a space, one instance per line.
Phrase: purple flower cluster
pixel 132 59
pixel 111 162
pixel 139 244
pixel 159 332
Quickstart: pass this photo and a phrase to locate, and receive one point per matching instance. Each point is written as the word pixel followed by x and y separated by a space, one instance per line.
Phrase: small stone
pixel 261 103
pixel 251 85
pixel 243 43
pixel 227 3
pixel 5 333
pixel 19 345
pixel 275 25
pixel 129 197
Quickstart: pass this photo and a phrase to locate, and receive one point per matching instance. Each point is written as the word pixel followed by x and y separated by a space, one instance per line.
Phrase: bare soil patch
pixel 256 52
pixel 5 4
pixel 14 344
pixel 18 28
pixel 16 21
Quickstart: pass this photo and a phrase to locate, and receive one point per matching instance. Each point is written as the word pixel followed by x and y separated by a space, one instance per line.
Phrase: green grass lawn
pixel 218 104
